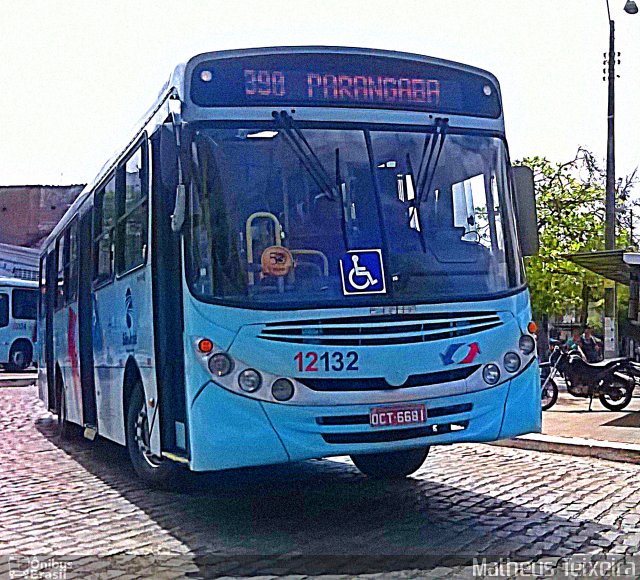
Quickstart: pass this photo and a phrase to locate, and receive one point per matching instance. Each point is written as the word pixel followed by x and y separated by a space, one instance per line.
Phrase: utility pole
pixel 610 322
pixel 610 334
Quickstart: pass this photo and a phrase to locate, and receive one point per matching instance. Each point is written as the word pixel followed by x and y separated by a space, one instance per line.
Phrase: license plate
pixel 397 415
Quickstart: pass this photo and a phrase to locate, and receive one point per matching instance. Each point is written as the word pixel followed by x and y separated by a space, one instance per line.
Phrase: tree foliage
pixel 570 204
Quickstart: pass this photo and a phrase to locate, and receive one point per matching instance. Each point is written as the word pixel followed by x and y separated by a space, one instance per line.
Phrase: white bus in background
pixel 18 313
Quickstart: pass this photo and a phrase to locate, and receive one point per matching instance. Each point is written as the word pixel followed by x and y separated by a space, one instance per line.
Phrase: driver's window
pixel 477 212
pixel 4 310
pixel 470 208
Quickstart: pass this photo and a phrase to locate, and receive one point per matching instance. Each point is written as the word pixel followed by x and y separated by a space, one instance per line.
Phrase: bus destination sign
pixel 343 80
pixel 346 88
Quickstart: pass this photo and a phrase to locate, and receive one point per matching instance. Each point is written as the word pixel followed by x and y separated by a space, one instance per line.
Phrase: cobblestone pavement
pixel 78 508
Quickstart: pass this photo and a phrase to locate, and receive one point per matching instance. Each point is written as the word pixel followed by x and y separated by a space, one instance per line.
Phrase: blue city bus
pixel 18 309
pixel 301 253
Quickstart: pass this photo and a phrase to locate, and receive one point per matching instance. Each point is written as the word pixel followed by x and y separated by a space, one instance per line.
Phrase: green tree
pixel 570 204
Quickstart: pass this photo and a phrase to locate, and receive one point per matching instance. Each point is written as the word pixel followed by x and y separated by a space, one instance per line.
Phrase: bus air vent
pixel 394 434
pixel 380 330
pixel 380 384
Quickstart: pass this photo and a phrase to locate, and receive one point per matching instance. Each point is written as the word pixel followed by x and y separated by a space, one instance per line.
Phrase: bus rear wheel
pixel 157 471
pixel 391 465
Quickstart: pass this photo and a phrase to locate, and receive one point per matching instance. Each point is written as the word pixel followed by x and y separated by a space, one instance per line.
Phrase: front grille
pixel 393 434
pixel 380 384
pixel 364 419
pixel 380 330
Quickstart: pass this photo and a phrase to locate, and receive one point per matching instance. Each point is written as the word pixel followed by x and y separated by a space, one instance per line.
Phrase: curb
pixel 15 380
pixel 611 450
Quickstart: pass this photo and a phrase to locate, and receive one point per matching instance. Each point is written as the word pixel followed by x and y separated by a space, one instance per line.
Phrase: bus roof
pixel 189 65
pixel 18 283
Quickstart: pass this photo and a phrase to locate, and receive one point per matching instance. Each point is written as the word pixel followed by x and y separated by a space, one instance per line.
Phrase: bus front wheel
pixel 20 356
pixel 152 469
pixel 391 465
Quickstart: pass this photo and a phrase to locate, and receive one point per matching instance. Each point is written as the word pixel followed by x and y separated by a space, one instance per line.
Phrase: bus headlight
pixel 220 364
pixel 491 374
pixel 249 380
pixel 511 362
pixel 526 344
pixel 282 389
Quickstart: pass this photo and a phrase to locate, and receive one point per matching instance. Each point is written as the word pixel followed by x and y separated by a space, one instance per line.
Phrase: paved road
pixel 76 504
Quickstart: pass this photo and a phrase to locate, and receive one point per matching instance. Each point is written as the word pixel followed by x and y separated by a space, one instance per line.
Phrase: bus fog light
pixel 220 364
pixel 511 362
pixel 526 344
pixel 491 374
pixel 249 380
pixel 282 390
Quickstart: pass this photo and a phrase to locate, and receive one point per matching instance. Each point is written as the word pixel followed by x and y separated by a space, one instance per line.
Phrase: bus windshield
pixel 273 211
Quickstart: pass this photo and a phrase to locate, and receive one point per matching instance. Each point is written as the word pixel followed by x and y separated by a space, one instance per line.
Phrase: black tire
pixel 20 356
pixel 391 465
pixel 617 395
pixel 155 471
pixel 548 393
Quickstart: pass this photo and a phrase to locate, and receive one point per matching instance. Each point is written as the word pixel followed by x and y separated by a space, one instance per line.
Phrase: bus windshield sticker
pixel 276 261
pixel 362 272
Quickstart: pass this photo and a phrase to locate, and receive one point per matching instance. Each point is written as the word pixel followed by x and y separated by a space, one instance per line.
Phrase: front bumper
pixel 228 431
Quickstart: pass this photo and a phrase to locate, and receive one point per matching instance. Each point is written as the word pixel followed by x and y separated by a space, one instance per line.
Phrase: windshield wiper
pixel 427 170
pixel 334 191
pixel 305 153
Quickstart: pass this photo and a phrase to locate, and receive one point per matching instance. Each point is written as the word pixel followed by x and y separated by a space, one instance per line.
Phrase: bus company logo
pixel 129 337
pixel 460 353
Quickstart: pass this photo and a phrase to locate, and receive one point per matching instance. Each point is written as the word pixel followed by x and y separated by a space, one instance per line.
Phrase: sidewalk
pixel 570 428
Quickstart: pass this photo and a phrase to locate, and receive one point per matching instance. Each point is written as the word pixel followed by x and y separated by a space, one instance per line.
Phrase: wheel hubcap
pixel 616 394
pixel 142 439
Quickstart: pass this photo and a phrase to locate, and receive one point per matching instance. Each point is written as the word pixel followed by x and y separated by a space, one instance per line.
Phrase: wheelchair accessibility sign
pixel 362 272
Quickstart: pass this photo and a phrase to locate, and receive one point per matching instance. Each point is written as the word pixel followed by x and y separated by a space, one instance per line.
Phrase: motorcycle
pixel 612 381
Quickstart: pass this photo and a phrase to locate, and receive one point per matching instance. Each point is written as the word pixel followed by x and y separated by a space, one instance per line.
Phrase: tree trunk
pixel 543 339
pixel 584 308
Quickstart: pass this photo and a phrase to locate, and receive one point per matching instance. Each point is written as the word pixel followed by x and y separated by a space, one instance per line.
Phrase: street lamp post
pixel 610 346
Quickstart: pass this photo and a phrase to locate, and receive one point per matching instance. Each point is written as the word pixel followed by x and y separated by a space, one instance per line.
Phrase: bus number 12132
pixel 329 361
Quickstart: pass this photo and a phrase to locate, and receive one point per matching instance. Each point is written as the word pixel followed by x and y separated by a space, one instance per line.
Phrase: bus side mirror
pixel 170 175
pixel 526 215
pixel 168 166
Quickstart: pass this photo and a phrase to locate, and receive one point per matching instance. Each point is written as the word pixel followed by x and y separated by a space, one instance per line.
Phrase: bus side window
pixel 4 310
pixel 133 206
pixel 43 286
pixel 24 304
pixel 103 227
pixel 61 250
pixel 71 271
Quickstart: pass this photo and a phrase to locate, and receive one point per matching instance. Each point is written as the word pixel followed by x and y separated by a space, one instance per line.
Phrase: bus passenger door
pixel 85 321
pixel 51 273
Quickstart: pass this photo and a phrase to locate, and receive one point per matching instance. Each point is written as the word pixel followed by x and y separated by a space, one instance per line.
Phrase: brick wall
pixel 28 213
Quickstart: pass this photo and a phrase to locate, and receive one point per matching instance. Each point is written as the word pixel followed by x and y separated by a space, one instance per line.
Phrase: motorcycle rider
pixel 574 341
pixel 591 345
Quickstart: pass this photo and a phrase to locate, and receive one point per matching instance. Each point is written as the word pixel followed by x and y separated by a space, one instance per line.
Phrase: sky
pixel 77 75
